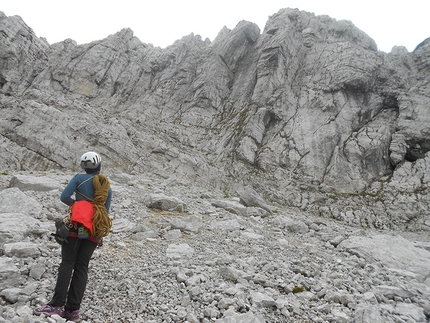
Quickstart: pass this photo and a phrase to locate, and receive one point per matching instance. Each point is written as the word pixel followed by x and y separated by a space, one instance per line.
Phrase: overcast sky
pixel 161 22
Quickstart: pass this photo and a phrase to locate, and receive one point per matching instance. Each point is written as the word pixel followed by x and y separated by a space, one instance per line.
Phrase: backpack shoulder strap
pixel 88 179
pixel 82 194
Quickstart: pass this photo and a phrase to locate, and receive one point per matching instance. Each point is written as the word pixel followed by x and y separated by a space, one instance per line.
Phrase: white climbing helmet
pixel 90 160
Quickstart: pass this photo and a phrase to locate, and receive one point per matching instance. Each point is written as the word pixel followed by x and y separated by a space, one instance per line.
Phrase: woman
pixel 82 241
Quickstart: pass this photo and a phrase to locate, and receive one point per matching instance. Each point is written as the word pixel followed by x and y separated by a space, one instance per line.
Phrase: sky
pixel 162 22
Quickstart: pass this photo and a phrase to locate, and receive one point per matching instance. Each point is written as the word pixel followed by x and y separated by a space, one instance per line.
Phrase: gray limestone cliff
pixel 306 113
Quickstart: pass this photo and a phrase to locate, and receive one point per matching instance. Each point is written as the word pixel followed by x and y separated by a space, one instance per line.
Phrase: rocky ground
pixel 180 254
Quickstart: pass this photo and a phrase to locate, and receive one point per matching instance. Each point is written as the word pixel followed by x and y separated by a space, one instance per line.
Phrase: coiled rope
pixel 102 224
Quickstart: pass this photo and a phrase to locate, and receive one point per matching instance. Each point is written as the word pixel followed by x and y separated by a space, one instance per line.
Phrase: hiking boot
pixel 71 316
pixel 49 310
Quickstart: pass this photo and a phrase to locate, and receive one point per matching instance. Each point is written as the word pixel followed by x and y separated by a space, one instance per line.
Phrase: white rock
pixel 179 251
pixel 242 318
pixel 164 202
pixel 122 225
pixel 172 234
pixel 10 275
pixel 227 225
pixel 411 311
pixel 15 201
pixel 21 249
pixel 262 300
pixel 35 183
pixel 14 226
pixel 395 252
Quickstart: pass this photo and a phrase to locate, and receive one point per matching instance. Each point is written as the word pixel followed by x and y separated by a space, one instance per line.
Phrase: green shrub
pixel 298 289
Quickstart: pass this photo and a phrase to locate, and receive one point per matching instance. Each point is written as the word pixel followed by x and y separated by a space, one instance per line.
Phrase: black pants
pixel 75 257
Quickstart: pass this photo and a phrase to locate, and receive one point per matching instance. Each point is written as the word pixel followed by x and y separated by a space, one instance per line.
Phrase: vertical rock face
pixel 23 55
pixel 308 112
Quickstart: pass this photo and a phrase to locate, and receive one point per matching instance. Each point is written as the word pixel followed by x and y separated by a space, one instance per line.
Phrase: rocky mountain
pixel 307 113
pixel 267 176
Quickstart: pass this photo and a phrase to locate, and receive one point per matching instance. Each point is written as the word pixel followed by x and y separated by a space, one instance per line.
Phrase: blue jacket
pixel 87 189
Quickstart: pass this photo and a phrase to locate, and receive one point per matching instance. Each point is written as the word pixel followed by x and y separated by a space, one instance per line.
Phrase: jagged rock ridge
pixel 308 113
